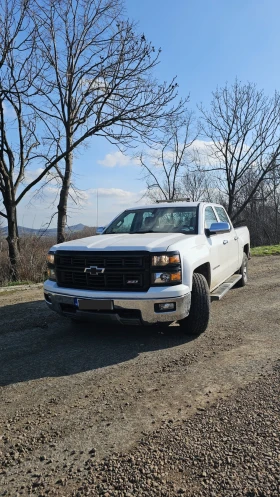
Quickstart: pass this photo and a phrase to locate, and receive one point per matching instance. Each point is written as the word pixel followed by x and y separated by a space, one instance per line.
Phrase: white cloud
pixel 153 157
pixel 30 175
pixel 207 154
pixel 201 144
pixel 118 197
pixel 112 192
pixel 98 85
pixel 9 110
pixel 110 202
pixel 118 159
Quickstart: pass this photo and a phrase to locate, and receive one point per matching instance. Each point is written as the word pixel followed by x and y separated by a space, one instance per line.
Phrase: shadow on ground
pixel 37 343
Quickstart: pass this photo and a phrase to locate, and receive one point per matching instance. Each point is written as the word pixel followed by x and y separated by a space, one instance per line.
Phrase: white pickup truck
pixel 155 264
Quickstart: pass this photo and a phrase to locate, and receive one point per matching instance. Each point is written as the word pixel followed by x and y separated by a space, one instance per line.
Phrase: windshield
pixel 156 220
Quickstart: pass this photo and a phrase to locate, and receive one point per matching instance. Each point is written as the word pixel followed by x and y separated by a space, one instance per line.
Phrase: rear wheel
pixel 197 320
pixel 243 271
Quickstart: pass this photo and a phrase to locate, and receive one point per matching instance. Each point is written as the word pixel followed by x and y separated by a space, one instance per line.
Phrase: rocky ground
pixel 230 449
pixel 139 411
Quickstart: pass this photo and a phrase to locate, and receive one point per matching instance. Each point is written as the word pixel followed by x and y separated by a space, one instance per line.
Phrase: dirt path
pixel 68 390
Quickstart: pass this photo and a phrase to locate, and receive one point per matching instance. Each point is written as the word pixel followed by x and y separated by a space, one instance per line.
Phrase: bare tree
pixel 242 126
pixel 262 212
pixel 198 185
pixel 99 84
pixel 274 200
pixel 99 81
pixel 18 140
pixel 167 162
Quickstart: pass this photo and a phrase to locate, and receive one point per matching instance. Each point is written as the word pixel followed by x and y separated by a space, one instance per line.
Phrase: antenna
pixel 97 207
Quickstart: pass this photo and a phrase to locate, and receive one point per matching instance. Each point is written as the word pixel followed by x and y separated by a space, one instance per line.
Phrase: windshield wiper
pixel 148 231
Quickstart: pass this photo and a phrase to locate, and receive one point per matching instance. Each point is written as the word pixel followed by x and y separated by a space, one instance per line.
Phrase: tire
pixel 243 271
pixel 197 320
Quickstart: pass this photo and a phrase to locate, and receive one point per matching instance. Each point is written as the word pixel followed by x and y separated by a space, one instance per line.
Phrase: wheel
pixel 243 271
pixel 197 320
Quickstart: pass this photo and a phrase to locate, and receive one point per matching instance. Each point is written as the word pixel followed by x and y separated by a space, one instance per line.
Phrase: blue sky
pixel 206 43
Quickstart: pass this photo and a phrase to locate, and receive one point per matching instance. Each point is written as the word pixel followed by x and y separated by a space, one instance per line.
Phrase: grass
pixel 16 283
pixel 266 250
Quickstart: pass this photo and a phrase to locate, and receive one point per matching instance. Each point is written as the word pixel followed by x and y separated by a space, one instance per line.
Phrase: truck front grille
pixel 125 272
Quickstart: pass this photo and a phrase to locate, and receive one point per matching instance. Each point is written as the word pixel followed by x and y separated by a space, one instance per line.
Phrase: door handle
pixel 236 238
pixel 225 242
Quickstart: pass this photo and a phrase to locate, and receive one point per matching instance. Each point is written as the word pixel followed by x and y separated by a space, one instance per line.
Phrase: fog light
pixel 161 278
pixel 48 298
pixel 51 274
pixel 166 278
pixel 167 306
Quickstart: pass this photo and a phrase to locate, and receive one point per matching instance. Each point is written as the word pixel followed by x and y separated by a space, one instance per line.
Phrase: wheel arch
pixel 246 249
pixel 205 270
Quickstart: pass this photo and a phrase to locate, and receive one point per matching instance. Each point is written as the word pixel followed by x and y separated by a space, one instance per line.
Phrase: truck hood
pixel 152 242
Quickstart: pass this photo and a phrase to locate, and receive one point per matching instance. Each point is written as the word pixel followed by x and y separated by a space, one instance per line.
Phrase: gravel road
pixel 134 411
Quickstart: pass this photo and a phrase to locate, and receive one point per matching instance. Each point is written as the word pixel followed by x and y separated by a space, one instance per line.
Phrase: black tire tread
pixel 197 320
pixel 241 283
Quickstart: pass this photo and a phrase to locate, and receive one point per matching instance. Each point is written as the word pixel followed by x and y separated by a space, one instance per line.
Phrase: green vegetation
pixel 16 283
pixel 266 250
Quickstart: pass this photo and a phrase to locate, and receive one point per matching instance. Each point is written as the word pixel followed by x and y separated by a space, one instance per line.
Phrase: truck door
pixel 216 249
pixel 230 242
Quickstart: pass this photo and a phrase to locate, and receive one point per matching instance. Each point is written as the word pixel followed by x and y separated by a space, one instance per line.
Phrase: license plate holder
pixel 95 305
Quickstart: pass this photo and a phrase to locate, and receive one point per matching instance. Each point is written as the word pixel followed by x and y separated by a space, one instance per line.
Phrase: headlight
pixel 165 278
pixel 51 274
pixel 50 258
pixel 165 259
pixel 50 269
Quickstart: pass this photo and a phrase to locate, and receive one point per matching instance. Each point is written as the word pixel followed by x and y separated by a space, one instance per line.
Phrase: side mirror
pixel 218 228
pixel 100 230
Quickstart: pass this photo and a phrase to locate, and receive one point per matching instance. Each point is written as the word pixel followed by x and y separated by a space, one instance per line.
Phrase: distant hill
pixel 43 232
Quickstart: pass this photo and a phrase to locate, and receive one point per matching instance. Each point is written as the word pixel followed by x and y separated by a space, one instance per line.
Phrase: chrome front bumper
pixel 124 311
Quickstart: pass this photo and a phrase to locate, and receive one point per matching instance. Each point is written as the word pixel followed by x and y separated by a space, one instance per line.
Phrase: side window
pixel 124 224
pixel 222 215
pixel 210 217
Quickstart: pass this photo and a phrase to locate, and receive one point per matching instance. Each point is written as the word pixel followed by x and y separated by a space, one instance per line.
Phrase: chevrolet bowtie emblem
pixel 94 270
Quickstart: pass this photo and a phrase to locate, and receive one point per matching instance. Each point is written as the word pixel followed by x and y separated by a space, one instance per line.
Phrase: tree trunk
pixel 230 204
pixel 13 240
pixel 64 192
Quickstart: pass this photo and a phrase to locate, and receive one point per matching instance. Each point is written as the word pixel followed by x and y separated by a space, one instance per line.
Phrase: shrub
pixel 32 266
pixel 33 251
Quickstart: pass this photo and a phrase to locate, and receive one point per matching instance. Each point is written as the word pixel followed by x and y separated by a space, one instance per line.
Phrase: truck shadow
pixel 37 343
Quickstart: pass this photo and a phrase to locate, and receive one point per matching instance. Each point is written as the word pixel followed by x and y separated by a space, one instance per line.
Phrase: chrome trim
pixel 146 308
pixel 219 228
pixel 94 270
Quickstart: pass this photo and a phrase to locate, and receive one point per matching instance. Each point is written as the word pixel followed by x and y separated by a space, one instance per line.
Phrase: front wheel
pixel 197 320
